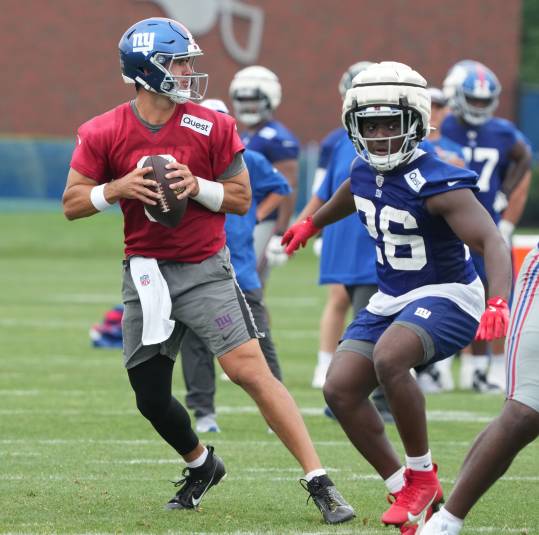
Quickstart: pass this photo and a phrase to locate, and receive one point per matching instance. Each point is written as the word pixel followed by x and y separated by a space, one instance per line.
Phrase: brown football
pixel 169 210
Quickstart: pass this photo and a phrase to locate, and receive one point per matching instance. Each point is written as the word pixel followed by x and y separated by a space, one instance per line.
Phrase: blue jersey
pixel 274 141
pixel 348 255
pixel 265 179
pixel 418 254
pixel 486 151
pixel 328 144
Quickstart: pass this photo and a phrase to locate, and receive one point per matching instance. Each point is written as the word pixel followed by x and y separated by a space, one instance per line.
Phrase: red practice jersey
pixel 110 145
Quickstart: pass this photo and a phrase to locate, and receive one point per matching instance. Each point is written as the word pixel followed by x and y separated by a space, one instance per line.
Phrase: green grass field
pixel 76 457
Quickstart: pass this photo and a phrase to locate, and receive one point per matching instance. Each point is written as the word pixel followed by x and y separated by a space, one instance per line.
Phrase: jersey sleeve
pixel 448 178
pixel 279 149
pixel 226 144
pixel 89 155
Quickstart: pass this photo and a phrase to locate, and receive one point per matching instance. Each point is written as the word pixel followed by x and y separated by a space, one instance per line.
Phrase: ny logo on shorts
pixel 224 321
pixel 422 313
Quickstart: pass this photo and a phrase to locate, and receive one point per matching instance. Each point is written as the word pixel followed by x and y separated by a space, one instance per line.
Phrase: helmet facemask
pixel 179 88
pixel 472 113
pixel 398 148
pixel 251 106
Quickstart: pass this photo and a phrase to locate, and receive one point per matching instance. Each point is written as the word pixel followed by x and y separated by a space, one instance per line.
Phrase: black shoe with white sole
pixel 328 499
pixel 197 481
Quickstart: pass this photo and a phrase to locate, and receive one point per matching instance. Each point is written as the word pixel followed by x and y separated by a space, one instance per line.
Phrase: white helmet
pixel 388 89
pixel 215 104
pixel 345 82
pixel 255 92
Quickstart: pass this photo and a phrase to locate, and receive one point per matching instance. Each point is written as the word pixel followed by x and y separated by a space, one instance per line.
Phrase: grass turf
pixel 76 457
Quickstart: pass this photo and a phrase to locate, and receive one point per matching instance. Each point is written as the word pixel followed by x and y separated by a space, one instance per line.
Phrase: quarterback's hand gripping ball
pixel 494 321
pixel 298 234
pixel 169 210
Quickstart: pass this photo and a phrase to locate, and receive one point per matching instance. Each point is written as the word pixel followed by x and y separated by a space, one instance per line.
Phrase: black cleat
pixel 197 481
pixel 328 499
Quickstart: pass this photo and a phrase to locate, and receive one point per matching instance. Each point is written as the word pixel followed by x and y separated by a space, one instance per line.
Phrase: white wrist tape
pixel 210 194
pixel 97 197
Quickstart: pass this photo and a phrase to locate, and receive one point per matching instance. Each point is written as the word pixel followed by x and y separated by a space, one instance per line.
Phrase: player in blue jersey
pixel 419 211
pixel 496 152
pixel 337 168
pixel 438 377
pixel 269 188
pixel 256 93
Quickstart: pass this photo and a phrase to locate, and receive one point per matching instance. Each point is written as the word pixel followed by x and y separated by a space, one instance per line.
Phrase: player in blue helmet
pixel 256 94
pixel 181 277
pixel 420 212
pixel 494 149
pixel 149 48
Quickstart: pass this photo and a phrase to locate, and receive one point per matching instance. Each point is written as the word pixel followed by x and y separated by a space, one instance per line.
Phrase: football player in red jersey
pixel 182 277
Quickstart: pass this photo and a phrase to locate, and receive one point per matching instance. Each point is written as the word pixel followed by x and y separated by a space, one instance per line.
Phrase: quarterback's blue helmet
pixel 147 52
pixel 477 95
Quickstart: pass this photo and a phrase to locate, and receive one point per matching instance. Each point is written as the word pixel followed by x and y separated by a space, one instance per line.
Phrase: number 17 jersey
pixel 418 254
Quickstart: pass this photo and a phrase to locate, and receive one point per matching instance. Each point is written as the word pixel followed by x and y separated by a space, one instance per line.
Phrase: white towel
pixel 155 300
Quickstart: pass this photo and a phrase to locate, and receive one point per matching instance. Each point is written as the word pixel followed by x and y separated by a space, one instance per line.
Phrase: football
pixel 169 210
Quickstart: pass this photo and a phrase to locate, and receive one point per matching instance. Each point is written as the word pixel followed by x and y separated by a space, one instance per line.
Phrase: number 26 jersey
pixel 417 253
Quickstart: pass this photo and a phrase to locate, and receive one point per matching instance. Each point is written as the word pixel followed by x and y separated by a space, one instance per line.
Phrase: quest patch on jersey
pixel 197 124
pixel 415 179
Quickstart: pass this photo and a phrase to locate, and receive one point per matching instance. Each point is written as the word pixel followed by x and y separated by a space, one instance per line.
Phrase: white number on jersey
pixel 418 257
pixel 483 154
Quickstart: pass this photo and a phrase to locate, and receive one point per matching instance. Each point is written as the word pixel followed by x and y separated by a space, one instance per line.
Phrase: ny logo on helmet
pixel 143 42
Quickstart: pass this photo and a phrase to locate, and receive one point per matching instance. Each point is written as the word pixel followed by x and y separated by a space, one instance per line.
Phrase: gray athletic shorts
pixel 522 342
pixel 205 297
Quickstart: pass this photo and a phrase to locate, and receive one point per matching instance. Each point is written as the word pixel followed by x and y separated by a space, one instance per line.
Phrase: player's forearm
pixel 339 206
pixel 237 198
pixel 516 173
pixel 76 202
pixel 270 203
pixel 314 204
pixel 517 200
pixel 286 211
pixel 498 266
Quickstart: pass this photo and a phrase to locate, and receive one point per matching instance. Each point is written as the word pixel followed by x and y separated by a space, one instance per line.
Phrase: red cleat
pixel 421 492
pixel 412 530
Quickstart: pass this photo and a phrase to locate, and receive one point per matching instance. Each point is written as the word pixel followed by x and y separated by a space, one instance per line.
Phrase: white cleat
pixel 438 526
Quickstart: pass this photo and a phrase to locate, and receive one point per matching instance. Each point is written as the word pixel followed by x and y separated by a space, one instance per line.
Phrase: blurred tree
pixel 529 73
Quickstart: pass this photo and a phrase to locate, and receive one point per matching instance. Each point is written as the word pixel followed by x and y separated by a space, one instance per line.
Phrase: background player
pixel 337 270
pixel 419 211
pixel 518 425
pixel 438 377
pixel 256 93
pixel 268 188
pixel 182 277
pixel 496 152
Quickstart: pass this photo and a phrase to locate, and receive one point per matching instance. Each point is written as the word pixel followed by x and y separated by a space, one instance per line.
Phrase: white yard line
pixel 433 416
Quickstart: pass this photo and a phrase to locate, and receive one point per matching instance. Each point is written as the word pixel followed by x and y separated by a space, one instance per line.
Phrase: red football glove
pixel 494 321
pixel 298 234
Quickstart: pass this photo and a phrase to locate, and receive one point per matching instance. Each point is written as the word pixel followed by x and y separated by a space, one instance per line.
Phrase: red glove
pixel 298 234
pixel 494 321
